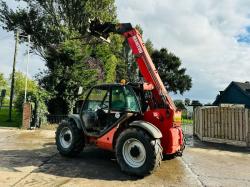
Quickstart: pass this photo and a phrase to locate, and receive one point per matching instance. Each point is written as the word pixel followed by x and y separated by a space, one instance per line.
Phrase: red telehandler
pixel 138 121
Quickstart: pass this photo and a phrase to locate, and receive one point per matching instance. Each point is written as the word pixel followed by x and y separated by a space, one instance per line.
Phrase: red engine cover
pixel 172 137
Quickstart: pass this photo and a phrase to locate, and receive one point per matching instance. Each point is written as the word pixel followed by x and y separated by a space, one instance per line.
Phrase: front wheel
pixel 138 153
pixel 69 139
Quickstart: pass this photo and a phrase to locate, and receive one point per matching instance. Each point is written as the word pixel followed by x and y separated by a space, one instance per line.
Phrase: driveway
pixel 30 158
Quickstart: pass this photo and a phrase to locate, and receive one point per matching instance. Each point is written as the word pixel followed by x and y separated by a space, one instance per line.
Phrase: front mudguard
pixel 77 120
pixel 148 127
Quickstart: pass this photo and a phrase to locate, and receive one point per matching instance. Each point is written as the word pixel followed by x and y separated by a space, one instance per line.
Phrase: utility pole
pixel 13 75
pixel 27 68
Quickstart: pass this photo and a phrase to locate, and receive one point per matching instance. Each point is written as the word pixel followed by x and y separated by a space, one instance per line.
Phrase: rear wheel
pixel 138 153
pixel 69 139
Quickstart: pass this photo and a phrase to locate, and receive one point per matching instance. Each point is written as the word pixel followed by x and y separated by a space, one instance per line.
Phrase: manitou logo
pixel 137 44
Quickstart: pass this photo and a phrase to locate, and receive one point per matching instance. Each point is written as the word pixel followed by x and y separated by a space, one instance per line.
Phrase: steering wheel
pixel 104 106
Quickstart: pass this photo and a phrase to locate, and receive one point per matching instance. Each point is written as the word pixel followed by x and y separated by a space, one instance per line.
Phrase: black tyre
pixel 138 153
pixel 69 139
pixel 169 157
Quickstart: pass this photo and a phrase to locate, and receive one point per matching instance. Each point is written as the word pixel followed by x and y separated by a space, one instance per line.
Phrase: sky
pixel 212 38
pixel 7 48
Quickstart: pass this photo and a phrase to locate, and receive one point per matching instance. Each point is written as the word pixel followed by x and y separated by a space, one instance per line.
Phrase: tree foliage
pixel 172 74
pixel 150 47
pixel 168 65
pixel 129 67
pixel 20 80
pixel 187 101
pixel 3 86
pixel 51 22
pixel 58 32
pixel 179 104
pixel 3 82
pixel 73 57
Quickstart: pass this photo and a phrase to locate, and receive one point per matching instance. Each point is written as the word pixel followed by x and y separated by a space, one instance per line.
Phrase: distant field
pixel 4 116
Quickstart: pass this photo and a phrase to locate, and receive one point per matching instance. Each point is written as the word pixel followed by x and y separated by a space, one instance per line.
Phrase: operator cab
pixel 106 105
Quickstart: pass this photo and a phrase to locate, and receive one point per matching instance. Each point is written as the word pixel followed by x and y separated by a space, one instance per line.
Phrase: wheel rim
pixel 65 137
pixel 134 153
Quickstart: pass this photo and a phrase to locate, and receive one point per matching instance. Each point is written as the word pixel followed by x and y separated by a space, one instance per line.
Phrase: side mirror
pixel 80 90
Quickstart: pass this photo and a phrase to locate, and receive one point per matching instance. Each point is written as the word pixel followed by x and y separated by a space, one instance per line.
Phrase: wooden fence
pixel 222 124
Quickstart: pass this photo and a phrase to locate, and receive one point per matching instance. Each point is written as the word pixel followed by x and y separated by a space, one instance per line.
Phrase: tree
pixel 172 74
pixel 187 101
pixel 150 47
pixel 55 27
pixel 3 85
pixel 3 82
pixel 72 56
pixel 208 104
pixel 179 104
pixel 20 79
pixel 68 68
pixel 128 69
pixel 196 103
pixel 168 65
pixel 51 22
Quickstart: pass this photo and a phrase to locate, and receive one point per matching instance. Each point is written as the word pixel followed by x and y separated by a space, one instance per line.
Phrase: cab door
pixel 96 108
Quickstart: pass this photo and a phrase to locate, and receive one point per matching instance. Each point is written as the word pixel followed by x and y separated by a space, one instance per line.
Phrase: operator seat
pixel 118 102
pixel 101 118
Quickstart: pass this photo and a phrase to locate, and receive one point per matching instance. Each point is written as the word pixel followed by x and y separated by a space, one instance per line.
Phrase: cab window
pixel 124 99
pixel 98 98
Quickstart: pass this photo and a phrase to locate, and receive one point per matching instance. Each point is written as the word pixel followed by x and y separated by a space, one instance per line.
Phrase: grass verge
pixel 4 116
pixel 187 121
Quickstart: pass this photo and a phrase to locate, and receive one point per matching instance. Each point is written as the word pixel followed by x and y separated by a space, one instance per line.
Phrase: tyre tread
pixel 77 145
pixel 155 148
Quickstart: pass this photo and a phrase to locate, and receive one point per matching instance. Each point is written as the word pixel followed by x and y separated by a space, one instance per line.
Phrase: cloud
pixel 204 34
pixel 210 37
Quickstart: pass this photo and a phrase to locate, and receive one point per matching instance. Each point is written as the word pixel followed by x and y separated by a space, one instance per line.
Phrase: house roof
pixel 244 87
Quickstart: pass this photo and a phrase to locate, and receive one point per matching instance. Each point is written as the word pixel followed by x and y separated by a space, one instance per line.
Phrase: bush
pixel 38 100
